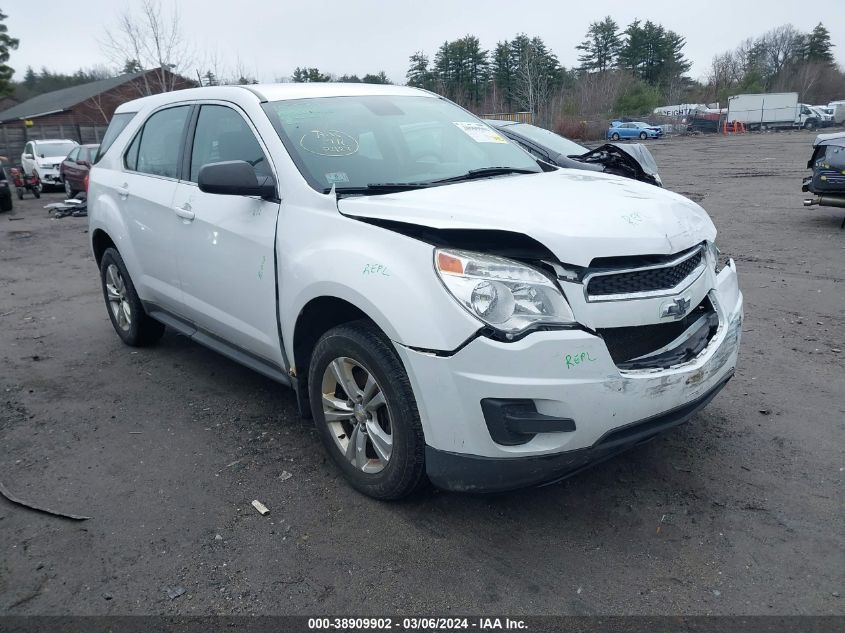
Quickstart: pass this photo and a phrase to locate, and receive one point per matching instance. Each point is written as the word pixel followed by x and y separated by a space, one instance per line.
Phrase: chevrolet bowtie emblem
pixel 677 308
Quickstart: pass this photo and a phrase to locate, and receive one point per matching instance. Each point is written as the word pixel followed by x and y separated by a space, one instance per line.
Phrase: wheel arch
pixel 100 241
pixel 316 318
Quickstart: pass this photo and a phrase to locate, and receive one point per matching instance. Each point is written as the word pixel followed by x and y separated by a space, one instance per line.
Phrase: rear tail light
pixel 85 182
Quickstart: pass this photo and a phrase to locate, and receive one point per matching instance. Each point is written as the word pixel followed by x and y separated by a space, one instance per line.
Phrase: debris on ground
pixel 285 475
pixel 766 411
pixel 260 507
pixel 174 592
pixel 5 492
pixel 77 207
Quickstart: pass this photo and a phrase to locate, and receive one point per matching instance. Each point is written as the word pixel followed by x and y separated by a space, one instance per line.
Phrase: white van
pixel 446 307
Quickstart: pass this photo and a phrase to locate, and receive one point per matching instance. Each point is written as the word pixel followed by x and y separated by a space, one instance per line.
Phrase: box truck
pixel 775 110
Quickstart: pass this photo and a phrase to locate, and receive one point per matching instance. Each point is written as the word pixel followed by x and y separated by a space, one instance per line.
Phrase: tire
pixel 36 191
pixel 614 136
pixel 809 124
pixel 20 193
pixel 70 192
pixel 126 312
pixel 358 351
pixel 6 203
pixel 643 135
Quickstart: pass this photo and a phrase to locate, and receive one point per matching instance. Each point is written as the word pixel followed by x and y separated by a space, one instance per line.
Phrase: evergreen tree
pixel 309 75
pixel 131 66
pixel 504 72
pixel 418 74
pixel 380 78
pixel 7 44
pixel 30 78
pixel 818 45
pixel 600 47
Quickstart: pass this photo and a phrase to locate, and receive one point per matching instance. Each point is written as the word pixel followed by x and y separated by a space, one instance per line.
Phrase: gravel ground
pixel 738 512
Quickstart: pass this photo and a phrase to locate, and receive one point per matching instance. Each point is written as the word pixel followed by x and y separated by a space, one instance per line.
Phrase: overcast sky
pixel 272 37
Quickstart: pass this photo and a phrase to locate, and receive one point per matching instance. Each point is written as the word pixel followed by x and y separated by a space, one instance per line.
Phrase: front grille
pixel 644 280
pixel 628 345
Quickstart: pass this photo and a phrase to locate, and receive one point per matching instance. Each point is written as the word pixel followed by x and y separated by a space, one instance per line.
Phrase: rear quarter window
pixel 117 124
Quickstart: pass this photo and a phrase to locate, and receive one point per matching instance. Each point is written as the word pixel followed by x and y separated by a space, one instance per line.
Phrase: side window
pixel 221 135
pixel 28 149
pixel 155 149
pixel 74 154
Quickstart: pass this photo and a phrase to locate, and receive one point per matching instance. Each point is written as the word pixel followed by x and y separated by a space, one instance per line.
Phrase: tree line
pixel 619 71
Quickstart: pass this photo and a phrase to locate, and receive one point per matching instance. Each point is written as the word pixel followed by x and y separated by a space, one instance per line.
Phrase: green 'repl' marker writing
pixel 375 269
pixel 577 359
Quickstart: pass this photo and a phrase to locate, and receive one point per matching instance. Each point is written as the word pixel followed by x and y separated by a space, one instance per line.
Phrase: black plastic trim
pixel 512 422
pixel 472 473
pixel 246 358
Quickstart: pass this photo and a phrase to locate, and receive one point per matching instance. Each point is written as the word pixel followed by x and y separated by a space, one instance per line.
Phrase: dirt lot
pixel 738 512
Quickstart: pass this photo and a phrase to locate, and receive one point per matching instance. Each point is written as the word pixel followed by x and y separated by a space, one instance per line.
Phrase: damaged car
pixel 632 160
pixel 827 180
pixel 445 307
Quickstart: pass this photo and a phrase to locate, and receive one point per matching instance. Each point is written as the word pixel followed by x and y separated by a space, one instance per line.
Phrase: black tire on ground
pixel 6 203
pixel 615 136
pixel 362 342
pixel 643 135
pixel 70 192
pixel 20 193
pixel 36 191
pixel 143 330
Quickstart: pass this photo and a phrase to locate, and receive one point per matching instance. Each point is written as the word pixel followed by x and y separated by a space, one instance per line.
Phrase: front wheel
pixel 615 136
pixel 365 411
pixel 643 135
pixel 132 324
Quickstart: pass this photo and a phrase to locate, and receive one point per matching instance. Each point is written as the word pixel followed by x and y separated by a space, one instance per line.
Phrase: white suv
pixel 44 158
pixel 446 307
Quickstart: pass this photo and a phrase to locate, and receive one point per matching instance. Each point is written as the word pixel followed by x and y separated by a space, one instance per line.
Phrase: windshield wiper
pixel 376 188
pixel 485 172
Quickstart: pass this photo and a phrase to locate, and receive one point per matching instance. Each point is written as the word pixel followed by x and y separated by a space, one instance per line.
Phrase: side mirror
pixel 235 178
pixel 28 156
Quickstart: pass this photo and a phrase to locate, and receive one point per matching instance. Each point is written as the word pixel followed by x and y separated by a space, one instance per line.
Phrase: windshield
pixel 548 139
pixel 353 142
pixel 54 149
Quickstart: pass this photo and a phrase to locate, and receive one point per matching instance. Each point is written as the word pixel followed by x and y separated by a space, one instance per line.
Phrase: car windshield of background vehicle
pixel 354 142
pixel 549 139
pixel 54 149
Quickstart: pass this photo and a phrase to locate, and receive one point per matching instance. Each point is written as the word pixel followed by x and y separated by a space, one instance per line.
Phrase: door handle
pixel 123 191
pixel 185 212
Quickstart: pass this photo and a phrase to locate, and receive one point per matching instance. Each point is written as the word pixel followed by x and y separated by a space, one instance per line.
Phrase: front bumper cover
pixel 471 473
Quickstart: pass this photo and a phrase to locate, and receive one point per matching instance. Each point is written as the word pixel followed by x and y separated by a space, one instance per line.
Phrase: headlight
pixel 718 260
pixel 505 294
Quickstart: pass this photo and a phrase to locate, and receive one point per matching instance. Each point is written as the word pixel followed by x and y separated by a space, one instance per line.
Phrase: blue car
pixel 633 129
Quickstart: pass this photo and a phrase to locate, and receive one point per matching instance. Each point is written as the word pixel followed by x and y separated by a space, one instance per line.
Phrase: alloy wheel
pixel 68 190
pixel 357 414
pixel 118 301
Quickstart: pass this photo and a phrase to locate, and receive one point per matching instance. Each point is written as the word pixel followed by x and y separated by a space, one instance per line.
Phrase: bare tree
pixel 153 38
pixel 532 89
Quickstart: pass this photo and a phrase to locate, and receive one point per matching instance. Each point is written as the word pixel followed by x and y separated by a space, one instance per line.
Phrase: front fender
pixel 388 276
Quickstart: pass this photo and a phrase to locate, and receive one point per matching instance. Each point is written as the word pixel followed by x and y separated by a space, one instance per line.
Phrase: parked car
pixel 5 189
pixel 824 115
pixel 630 160
pixel 633 129
pixel 43 157
pixel 827 179
pixel 444 307
pixel 75 167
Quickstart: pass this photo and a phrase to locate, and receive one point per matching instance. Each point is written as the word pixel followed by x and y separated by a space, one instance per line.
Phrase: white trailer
pixel 838 108
pixel 773 110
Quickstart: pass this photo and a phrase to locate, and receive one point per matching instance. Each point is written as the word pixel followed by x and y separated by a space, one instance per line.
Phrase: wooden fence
pixel 13 137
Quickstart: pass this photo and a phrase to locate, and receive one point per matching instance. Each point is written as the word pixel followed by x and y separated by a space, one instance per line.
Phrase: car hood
pixel 578 216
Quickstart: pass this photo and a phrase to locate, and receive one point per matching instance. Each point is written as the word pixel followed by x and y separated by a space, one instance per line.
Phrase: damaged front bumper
pixel 575 405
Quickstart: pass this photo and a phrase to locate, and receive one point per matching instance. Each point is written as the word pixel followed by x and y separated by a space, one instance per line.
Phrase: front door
pixel 227 243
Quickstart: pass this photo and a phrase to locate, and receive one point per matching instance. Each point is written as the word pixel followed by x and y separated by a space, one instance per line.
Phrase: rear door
pixel 227 243
pixel 145 190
